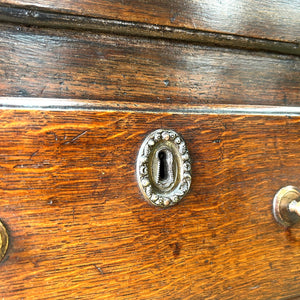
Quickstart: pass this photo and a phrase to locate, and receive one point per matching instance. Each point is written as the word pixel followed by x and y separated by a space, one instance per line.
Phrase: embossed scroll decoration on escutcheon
pixel 164 168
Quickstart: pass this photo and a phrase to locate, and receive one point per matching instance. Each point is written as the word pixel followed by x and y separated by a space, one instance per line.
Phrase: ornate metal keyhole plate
pixel 4 240
pixel 164 168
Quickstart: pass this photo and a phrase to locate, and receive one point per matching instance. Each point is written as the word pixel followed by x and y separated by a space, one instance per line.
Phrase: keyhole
pixel 163 166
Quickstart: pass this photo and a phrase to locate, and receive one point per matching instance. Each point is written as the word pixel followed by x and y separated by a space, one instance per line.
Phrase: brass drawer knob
pixel 4 240
pixel 286 206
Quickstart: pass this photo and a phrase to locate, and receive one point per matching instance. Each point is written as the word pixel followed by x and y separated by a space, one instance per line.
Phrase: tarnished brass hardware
pixel 164 168
pixel 4 240
pixel 286 206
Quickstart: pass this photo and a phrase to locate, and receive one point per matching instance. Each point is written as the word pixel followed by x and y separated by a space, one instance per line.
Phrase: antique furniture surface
pixel 82 85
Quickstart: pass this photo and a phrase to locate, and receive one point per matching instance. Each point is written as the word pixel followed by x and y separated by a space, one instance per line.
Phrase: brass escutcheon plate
pixel 4 240
pixel 163 168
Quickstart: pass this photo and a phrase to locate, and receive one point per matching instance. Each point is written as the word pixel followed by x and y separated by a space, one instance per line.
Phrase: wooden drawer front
pixel 273 20
pixel 65 64
pixel 80 228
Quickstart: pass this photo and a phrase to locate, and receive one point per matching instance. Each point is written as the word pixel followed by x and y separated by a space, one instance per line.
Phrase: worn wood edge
pixel 40 18
pixel 55 104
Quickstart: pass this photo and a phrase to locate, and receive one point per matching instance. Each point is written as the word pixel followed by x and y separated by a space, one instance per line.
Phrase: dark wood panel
pixel 277 20
pixel 68 64
pixel 39 18
pixel 80 229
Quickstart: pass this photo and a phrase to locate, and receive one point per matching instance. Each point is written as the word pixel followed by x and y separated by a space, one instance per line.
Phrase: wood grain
pixel 80 228
pixel 85 65
pixel 275 20
pixel 57 20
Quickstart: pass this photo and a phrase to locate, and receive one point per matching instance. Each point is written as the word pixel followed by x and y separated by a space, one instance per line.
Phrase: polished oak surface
pixel 69 64
pixel 80 228
pixel 269 19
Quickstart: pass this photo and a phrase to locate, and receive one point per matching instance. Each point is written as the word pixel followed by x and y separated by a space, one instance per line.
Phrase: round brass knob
pixel 4 240
pixel 286 206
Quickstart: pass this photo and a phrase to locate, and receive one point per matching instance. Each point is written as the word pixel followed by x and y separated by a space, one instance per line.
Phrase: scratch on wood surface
pixel 34 154
pixel 254 287
pixel 33 166
pixel 54 134
pixel 99 269
pixel 116 135
pixel 76 137
pixel 42 91
pixel 36 168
